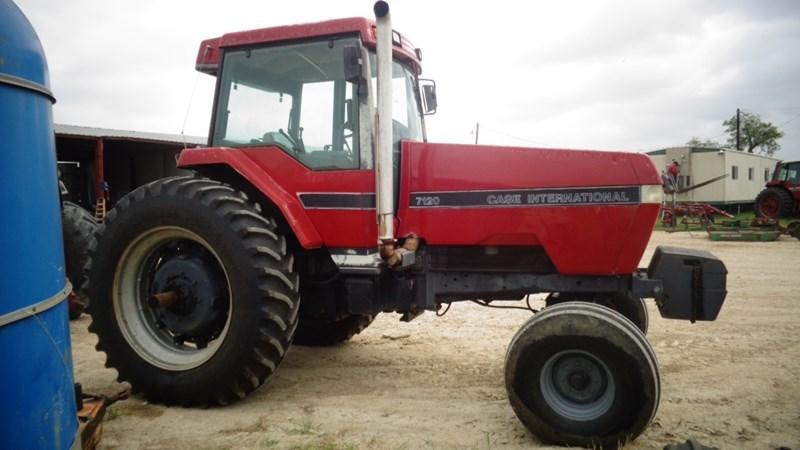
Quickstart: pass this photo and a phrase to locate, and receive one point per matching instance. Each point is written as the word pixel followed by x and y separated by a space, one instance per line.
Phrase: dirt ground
pixel 437 382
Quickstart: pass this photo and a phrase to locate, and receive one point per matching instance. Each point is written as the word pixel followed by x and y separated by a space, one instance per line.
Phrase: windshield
pixel 406 113
pixel 791 173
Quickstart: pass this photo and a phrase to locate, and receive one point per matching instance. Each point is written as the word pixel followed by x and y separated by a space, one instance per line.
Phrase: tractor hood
pixel 572 202
pixel 497 167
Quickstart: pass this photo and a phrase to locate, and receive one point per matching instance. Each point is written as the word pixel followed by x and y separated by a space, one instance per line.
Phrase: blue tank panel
pixel 38 409
pixel 22 52
pixel 36 383
pixel 30 233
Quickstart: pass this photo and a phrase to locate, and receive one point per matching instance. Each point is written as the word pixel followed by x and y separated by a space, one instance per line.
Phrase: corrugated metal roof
pixel 111 134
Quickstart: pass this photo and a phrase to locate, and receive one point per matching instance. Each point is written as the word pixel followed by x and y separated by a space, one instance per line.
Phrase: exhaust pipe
pixel 384 183
pixel 384 172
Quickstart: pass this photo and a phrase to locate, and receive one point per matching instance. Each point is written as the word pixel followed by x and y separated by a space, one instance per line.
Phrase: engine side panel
pixel 486 195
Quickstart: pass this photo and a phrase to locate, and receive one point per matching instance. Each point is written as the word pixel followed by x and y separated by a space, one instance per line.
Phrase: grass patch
pixel 268 443
pixel 304 428
pixel 111 414
pixel 324 445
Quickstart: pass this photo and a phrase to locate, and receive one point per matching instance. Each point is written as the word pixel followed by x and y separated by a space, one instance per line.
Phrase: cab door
pixel 291 111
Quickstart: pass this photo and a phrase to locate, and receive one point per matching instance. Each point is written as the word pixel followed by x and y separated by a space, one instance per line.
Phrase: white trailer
pixel 746 173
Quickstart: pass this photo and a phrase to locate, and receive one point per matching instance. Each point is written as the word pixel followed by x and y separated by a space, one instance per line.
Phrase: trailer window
pixel 750 171
pixel 766 175
pixel 734 172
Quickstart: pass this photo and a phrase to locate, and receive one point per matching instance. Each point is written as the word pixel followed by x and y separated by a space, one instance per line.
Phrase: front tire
pixel 580 374
pixel 631 307
pixel 194 297
pixel 793 229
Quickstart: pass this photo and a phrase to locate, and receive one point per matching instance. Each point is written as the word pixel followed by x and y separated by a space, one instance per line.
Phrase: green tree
pixel 708 143
pixel 753 134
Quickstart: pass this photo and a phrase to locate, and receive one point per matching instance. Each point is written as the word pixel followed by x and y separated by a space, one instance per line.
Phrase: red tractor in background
pixel 781 197
pixel 319 204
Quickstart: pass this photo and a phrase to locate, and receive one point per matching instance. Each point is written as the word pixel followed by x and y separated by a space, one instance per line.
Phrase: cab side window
pixel 293 97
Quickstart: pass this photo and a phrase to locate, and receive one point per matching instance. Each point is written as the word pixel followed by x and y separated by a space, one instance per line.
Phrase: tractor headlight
pixel 651 193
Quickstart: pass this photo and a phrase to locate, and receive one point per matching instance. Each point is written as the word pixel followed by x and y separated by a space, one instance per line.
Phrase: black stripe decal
pixel 338 201
pixel 612 195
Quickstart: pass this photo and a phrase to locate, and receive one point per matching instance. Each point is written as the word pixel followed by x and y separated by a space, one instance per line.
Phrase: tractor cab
pixel 313 98
pixel 788 173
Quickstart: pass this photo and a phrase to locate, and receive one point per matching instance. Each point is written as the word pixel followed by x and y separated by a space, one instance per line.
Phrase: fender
pixel 301 225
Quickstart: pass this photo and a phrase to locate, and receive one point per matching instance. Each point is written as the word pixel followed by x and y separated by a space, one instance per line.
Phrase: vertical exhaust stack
pixel 384 173
pixel 384 187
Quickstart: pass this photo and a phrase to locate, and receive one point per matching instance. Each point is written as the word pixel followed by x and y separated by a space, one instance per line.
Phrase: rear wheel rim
pixel 139 323
pixel 577 385
pixel 769 206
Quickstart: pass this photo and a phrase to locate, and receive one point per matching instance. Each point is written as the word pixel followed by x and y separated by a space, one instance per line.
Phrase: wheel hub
pixel 577 385
pixel 196 313
pixel 579 379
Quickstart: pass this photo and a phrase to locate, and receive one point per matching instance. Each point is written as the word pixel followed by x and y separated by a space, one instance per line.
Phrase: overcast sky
pixel 629 75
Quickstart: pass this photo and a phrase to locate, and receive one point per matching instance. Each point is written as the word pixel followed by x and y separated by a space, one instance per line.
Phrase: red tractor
pixel 781 197
pixel 319 204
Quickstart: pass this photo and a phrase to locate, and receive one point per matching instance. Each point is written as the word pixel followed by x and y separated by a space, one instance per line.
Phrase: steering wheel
pixel 298 148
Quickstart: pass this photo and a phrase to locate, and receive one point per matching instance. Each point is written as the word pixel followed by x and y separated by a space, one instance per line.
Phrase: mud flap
pixel 693 283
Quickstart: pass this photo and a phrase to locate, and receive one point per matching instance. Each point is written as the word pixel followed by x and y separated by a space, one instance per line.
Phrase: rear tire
pixel 316 332
pixel 579 374
pixel 774 203
pixel 632 308
pixel 237 294
pixel 78 227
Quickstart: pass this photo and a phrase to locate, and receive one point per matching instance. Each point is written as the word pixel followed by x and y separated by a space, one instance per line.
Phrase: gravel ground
pixel 438 382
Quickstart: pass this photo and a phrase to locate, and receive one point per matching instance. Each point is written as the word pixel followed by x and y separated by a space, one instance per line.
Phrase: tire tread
pixel 278 286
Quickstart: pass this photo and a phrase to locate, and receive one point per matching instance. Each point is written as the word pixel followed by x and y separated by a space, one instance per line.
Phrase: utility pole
pixel 738 148
pixel 477 130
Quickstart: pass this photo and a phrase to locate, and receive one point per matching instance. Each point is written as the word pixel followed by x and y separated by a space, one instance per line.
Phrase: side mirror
pixel 352 64
pixel 429 103
pixel 353 69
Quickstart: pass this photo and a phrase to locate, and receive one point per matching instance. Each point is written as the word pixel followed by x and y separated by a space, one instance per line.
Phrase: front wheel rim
pixel 136 319
pixel 577 385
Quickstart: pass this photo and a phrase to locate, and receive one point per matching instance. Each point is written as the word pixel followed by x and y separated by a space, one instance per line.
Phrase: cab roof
pixel 208 56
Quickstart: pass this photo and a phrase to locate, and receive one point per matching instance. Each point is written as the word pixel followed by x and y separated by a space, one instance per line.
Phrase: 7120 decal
pixel 427 200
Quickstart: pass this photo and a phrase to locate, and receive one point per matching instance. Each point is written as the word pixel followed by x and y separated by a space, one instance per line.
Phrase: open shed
pixel 100 165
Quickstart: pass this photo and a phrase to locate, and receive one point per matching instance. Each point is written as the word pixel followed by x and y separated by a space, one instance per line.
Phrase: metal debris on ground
pixel 91 411
pixel 690 444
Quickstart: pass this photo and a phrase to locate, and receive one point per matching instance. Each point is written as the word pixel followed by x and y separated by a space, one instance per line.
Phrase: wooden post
pixel 99 175
pixel 738 146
